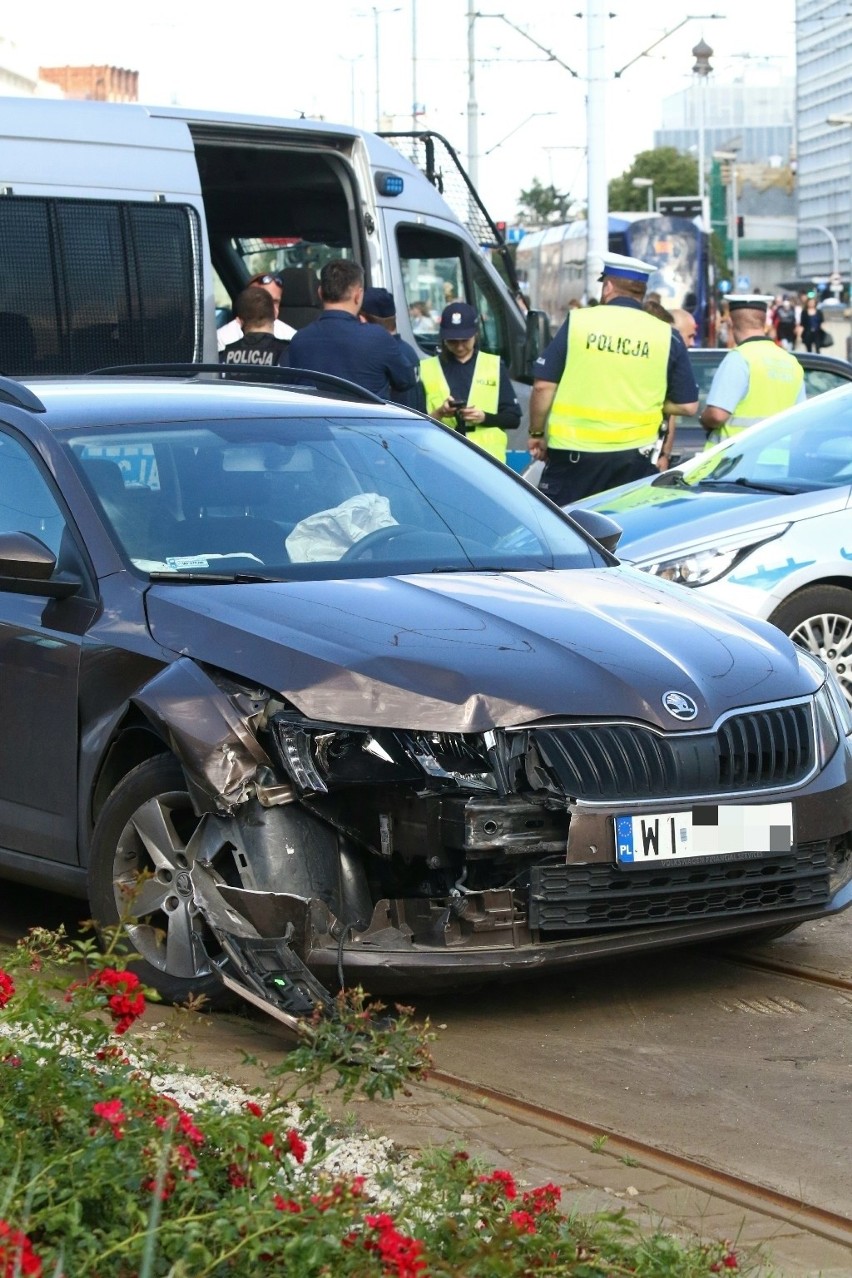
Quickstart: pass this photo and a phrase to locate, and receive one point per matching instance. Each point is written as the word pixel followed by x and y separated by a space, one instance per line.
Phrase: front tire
pixel 139 874
pixel 819 619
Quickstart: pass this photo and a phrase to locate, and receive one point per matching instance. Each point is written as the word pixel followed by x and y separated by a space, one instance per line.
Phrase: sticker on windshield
pixel 181 562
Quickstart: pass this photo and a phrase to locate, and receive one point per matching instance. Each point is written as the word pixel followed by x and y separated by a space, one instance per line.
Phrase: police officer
pixel 602 387
pixel 270 282
pixel 379 307
pixel 756 379
pixel 338 343
pixel 468 388
pixel 258 347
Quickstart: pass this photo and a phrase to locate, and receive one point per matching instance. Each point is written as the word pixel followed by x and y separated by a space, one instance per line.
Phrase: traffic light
pixel 501 230
pixel 740 226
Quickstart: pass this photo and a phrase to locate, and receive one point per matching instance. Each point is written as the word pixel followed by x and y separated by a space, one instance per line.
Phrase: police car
pixel 761 524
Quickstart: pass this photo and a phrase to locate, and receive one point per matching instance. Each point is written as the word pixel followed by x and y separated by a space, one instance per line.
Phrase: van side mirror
pixel 537 339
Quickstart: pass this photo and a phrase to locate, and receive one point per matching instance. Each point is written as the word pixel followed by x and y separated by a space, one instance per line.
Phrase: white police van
pixel 127 231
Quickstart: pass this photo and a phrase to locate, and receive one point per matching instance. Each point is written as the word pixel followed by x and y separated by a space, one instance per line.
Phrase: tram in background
pixel 551 264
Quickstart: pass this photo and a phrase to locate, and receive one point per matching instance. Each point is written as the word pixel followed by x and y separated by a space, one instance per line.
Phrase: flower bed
pixel 105 1172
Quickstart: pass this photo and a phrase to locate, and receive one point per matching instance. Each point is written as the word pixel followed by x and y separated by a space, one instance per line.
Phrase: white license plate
pixel 707 831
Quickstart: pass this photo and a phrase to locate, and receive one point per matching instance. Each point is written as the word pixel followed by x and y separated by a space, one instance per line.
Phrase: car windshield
pixel 806 448
pixel 316 498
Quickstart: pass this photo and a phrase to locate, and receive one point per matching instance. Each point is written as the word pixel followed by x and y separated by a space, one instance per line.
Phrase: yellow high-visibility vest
pixel 484 393
pixel 612 390
pixel 774 381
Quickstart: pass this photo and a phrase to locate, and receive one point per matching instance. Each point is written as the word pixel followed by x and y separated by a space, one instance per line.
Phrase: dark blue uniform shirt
pixel 338 343
pixel 681 387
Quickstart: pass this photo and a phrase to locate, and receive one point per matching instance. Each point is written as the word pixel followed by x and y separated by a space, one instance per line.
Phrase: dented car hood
pixel 470 651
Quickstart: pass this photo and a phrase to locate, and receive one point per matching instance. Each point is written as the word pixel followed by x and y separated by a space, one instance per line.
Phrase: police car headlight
pixel 709 563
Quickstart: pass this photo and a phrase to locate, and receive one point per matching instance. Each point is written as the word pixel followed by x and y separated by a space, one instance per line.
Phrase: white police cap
pixel 617 266
pixel 748 301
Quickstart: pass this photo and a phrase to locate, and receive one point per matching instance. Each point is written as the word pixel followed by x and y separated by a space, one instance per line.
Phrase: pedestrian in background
pixel 468 388
pixel 338 343
pixel 811 324
pixel 604 385
pixel 756 380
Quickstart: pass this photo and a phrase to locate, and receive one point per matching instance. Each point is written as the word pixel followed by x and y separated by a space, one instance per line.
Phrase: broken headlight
pixel 324 756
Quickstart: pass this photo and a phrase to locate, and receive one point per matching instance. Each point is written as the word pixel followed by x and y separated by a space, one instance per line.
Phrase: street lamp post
pixel 702 68
pixel 648 183
pixel 733 215
pixel 845 121
pixel 379 13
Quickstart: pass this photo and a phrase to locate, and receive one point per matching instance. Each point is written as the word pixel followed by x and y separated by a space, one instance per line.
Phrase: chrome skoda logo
pixel 680 705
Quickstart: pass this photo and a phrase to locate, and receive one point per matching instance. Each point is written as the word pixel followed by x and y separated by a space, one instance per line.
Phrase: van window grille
pixel 89 283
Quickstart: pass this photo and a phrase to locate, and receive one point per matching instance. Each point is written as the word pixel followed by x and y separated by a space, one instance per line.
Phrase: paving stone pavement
pixel 599 1180
pixel 592 1180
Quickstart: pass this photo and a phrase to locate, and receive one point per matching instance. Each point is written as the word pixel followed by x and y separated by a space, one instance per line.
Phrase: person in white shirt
pixel 232 331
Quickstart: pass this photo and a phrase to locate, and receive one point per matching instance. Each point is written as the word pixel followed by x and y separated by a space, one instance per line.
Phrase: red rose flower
pixel 7 988
pixel 298 1148
pixel 524 1221
pixel 17 1258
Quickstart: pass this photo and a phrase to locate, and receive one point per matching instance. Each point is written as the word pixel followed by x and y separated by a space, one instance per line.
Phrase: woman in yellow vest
pixel 468 388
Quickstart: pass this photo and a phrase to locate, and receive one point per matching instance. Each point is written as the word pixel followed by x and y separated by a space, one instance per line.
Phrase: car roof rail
pixel 14 392
pixel 305 378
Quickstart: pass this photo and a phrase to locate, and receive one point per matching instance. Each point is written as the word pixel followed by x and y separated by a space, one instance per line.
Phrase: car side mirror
pixel 605 531
pixel 536 339
pixel 27 566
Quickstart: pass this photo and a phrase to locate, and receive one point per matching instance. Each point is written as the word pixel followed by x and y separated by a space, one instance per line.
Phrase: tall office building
pixel 752 124
pixel 823 89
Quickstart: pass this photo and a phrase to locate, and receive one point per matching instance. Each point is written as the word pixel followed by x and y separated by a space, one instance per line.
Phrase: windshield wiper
pixel 669 479
pixel 742 482
pixel 213 578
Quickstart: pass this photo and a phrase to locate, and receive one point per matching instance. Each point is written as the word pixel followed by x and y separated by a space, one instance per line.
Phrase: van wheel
pixel 139 873
pixel 820 619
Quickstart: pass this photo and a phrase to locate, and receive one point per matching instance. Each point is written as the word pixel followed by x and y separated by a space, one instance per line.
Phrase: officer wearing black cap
pixel 602 387
pixel 338 343
pixel 258 347
pixel 755 380
pixel 379 307
pixel 468 388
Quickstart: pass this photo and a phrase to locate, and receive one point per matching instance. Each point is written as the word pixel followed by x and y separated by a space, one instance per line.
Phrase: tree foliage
pixel 543 205
pixel 672 172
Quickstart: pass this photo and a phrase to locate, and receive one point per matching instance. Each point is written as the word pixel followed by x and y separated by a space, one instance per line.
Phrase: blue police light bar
pixel 389 183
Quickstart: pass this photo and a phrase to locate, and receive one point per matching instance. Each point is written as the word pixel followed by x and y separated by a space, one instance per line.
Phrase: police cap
pixel 378 302
pixel 618 267
pixel 459 320
pixel 748 301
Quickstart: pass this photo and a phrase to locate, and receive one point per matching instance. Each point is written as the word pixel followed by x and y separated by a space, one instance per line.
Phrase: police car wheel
pixel 819 618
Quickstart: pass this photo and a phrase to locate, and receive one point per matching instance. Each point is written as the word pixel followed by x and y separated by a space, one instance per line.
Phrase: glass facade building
pixel 823 89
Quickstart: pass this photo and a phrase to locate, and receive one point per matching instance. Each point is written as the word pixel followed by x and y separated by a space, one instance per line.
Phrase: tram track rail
pixel 683 1169
pixel 776 967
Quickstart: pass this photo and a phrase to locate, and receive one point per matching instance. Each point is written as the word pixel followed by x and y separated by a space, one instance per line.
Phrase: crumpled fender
pixel 208 727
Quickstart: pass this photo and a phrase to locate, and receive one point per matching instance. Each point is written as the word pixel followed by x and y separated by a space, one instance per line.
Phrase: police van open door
pixel 126 232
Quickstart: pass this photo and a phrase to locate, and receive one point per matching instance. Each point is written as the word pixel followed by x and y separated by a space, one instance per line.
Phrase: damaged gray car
pixel 310 691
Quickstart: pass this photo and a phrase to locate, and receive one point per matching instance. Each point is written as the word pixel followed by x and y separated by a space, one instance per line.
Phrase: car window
pixel 819 380
pixel 805 448
pixel 26 501
pixel 318 498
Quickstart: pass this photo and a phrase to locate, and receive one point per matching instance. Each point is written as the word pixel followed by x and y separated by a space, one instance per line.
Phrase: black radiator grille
pixel 754 750
pixel 591 898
